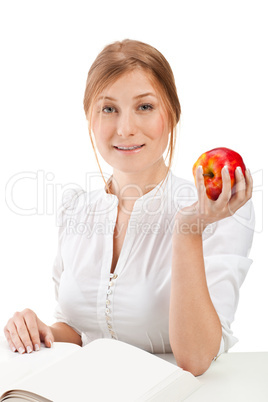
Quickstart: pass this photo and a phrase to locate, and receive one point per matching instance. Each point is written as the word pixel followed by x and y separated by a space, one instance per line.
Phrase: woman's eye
pixel 146 106
pixel 108 109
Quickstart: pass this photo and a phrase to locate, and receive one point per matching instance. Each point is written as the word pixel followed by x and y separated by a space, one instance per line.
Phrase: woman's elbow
pixel 196 367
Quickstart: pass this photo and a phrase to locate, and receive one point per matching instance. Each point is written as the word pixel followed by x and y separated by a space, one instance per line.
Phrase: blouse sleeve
pixel 226 246
pixel 65 210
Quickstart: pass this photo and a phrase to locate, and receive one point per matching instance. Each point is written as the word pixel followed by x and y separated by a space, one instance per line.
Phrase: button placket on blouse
pixel 108 309
pixel 134 220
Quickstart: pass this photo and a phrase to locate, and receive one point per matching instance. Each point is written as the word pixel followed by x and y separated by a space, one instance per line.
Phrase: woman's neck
pixel 128 187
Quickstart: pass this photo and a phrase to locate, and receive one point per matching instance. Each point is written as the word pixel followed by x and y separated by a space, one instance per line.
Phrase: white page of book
pixel 106 371
pixel 15 366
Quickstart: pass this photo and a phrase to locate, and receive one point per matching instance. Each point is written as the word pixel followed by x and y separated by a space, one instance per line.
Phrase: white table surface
pixel 233 377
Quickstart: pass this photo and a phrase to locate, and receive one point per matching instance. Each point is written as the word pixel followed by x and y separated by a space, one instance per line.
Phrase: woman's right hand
pixel 24 332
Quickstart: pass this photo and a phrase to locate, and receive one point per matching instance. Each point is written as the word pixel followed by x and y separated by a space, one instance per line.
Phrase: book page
pixel 103 369
pixel 23 396
pixel 14 366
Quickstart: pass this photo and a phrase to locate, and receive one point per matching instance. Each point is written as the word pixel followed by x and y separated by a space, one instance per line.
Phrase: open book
pixel 103 370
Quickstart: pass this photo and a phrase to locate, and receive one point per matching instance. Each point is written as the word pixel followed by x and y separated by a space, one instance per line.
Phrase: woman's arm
pixel 195 329
pixel 64 333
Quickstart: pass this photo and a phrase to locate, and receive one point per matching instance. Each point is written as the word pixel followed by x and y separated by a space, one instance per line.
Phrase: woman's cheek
pixel 157 127
pixel 103 130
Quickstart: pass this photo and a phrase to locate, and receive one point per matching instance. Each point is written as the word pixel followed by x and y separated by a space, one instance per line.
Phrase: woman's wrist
pixel 189 224
pixel 187 243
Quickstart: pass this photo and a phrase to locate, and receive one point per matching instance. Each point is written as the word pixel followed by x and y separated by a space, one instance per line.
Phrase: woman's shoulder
pixel 180 183
pixel 76 201
pixel 183 191
pixel 75 196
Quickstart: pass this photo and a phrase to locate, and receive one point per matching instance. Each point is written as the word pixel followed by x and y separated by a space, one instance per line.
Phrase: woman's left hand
pixel 195 218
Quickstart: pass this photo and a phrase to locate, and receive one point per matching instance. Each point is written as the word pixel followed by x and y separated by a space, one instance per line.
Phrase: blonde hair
pixel 122 57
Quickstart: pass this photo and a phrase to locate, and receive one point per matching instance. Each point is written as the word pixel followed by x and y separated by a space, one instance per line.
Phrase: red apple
pixel 213 161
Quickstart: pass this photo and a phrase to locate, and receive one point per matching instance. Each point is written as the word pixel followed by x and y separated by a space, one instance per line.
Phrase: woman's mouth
pixel 129 149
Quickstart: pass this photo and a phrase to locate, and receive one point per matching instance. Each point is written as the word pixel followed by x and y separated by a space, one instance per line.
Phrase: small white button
pixel 107 311
pixel 111 283
pixel 108 302
pixel 109 291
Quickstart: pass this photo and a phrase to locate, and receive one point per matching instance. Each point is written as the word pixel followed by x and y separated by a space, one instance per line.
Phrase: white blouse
pixel 132 304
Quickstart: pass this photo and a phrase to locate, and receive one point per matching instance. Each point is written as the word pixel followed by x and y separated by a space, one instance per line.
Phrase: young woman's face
pixel 130 113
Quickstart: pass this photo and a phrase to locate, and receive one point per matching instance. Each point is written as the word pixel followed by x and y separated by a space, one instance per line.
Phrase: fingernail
pixel 225 169
pixel 249 171
pixel 29 349
pixel 239 170
pixel 51 343
pixel 200 169
pixel 21 350
pixel 13 349
pixel 36 347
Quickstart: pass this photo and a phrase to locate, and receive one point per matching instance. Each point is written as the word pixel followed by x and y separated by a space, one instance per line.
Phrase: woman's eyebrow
pixel 142 95
pixel 134 97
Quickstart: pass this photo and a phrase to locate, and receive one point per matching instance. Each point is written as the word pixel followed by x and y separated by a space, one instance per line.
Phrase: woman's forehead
pixel 137 79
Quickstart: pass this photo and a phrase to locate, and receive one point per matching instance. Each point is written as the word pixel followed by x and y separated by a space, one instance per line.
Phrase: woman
pixel 144 260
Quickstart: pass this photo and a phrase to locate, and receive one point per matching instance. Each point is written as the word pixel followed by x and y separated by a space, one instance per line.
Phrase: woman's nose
pixel 126 124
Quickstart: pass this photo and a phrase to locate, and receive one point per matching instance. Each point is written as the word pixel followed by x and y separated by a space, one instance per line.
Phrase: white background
pixel 218 53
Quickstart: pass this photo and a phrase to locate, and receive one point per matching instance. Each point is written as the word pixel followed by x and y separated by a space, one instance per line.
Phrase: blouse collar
pixel 163 187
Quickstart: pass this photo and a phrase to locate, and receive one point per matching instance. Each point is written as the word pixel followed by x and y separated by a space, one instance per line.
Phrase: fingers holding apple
pixel 226 190
pixel 243 190
pixel 201 189
pixel 223 186
pixel 209 210
pixel 213 163
pixel 249 184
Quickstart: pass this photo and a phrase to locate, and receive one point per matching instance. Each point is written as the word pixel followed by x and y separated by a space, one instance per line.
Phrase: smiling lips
pixel 128 148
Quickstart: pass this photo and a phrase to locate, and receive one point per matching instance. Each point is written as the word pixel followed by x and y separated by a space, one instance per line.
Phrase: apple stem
pixel 208 175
